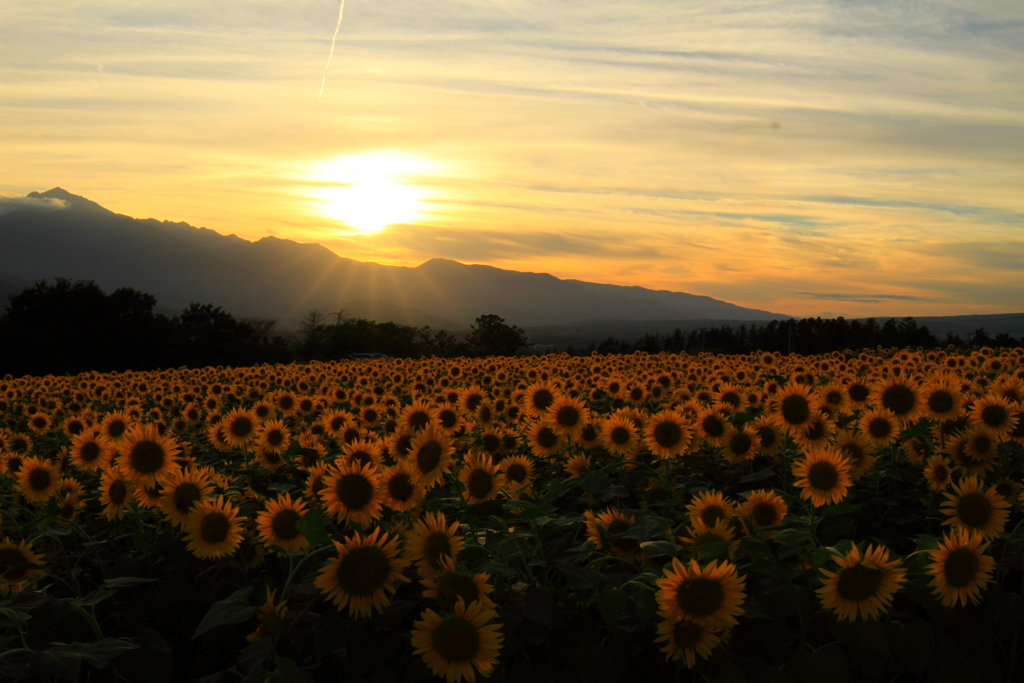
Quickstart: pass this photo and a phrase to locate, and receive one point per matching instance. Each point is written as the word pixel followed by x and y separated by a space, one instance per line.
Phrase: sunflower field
pixel 848 516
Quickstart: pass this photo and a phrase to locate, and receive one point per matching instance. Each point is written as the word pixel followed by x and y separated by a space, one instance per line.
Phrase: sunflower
pixel 271 616
pixel 19 566
pixel 973 507
pixel 214 530
pixel 449 417
pixel 794 406
pixel 181 491
pixel 959 567
pixel 480 478
pixel 277 524
pixel 858 450
pixel 567 416
pixel 712 426
pixel 273 437
pixel 576 465
pixel 816 433
pixel 1009 489
pixel 38 479
pixel 351 493
pixel 880 426
pixel 417 417
pixel 764 508
pixel 863 586
pixel 452 583
pixel 981 444
pixel 901 397
pixel 995 412
pixel 740 444
pixel 915 450
pixel 365 570
pixel 710 507
pixel 518 471
pixel 942 399
pixel 769 435
pixel 400 488
pixel 685 639
pixel 539 398
pixel 90 451
pixel 146 456
pixel 544 440
pixel 429 541
pixel 938 473
pixel 700 534
pixel 823 476
pixel 114 426
pixel 430 452
pixel 667 434
pixel 605 528
pixel 709 595
pixel 619 435
pixel 458 644
pixel 115 492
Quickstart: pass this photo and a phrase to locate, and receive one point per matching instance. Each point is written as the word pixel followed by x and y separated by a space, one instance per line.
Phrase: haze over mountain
pixel 59 234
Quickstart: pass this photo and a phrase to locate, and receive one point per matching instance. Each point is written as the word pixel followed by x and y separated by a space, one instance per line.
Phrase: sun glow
pixel 365 191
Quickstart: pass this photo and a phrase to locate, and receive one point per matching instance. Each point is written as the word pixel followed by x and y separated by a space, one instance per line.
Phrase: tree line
pixel 68 327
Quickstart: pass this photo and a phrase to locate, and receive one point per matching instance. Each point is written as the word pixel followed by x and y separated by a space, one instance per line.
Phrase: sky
pixel 807 158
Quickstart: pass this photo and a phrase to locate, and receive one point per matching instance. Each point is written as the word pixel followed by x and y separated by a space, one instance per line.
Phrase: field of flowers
pixel 608 518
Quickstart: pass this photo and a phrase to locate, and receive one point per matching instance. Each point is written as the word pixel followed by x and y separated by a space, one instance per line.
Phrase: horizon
pixel 825 159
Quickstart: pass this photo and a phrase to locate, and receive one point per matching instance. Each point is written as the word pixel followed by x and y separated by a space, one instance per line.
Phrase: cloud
pixel 9 204
pixel 860 298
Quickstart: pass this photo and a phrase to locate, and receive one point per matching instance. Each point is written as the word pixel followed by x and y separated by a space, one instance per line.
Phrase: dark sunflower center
pixel 10 557
pixel 362 457
pixel 452 586
pixel 667 434
pixel 764 514
pixel 700 597
pixel 363 570
pixel 117 492
pixel 116 428
pixel 283 524
pixel 185 496
pixel 823 475
pixel 403 444
pixel 767 435
pixel 899 398
pixel 89 451
pixel 853 452
pixel 428 456
pixel 567 416
pixel 981 445
pixel 940 401
pixel 435 545
pixel 712 514
pixel 994 416
pixel 516 473
pixel 713 426
pixel 974 509
pixel 732 398
pixel 491 442
pixel 687 634
pixel 795 409
pixel 354 491
pixel 456 639
pixel 214 528
pixel 448 418
pixel 961 567
pixel 858 392
pixel 880 427
pixel 474 400
pixel 833 397
pixel 39 479
pixel 419 419
pixel 740 443
pixel 618 526
pixel 546 437
pixel 859 583
pixel 480 483
pixel 940 473
pixel 400 487
pixel 146 456
pixel 620 436
pixel 241 427
pixel 275 437
pixel 815 430
pixel 542 398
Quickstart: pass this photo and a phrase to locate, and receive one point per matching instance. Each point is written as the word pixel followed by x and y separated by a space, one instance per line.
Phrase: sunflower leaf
pixel 231 610
pixel 710 551
pixel 612 603
pixel 126 582
pixel 311 526
pixel 833 510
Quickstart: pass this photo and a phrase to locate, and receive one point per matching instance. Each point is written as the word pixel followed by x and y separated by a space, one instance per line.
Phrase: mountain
pixel 59 234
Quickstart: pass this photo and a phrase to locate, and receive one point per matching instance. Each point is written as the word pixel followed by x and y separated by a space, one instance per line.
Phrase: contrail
pixel 341 13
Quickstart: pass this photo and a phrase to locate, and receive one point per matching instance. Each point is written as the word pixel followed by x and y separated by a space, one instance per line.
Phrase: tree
pixel 490 336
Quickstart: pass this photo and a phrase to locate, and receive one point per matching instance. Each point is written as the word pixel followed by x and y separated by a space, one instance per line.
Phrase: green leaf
pixel 659 548
pixel 126 582
pixel 645 604
pixel 833 510
pixel 710 551
pixel 311 526
pixel 579 577
pixel 485 509
pixel 94 598
pixel 754 547
pixel 231 610
pixel 495 567
pixel 13 618
pixel 612 603
pixel 926 542
pixel 289 672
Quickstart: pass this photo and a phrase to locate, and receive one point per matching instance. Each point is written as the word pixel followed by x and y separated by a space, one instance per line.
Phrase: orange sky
pixel 804 158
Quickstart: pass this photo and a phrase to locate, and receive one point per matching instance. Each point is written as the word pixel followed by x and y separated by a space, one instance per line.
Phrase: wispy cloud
pixel 9 204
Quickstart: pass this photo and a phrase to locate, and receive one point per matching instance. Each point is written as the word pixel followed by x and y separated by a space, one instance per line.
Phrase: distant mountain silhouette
pixel 283 279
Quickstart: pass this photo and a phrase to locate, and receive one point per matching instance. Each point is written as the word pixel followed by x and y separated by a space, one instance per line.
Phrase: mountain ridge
pixel 283 279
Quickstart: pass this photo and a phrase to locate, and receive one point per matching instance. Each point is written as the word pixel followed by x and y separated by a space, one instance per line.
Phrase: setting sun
pixel 365 191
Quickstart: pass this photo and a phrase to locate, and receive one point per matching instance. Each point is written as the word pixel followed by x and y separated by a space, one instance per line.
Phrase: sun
pixel 366 191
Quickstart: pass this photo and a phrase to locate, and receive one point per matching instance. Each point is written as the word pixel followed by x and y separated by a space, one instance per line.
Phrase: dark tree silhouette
pixel 490 336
